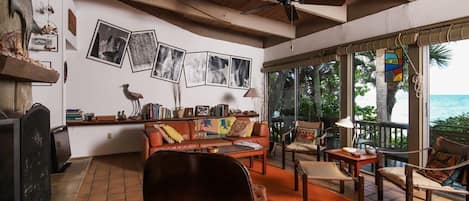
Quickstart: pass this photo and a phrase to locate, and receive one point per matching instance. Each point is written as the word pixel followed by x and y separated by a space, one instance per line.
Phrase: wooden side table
pixel 353 161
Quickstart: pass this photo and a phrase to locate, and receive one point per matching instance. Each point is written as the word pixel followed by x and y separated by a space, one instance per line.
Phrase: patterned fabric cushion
pixel 305 135
pixel 225 124
pixel 208 125
pixel 440 160
pixel 241 128
pixel 165 136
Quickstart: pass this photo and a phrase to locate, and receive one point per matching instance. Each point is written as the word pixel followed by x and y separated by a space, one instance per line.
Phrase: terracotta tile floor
pixel 65 185
pixel 119 177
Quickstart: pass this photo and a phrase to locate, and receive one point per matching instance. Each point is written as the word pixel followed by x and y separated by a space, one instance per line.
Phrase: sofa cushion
pixel 444 145
pixel 442 160
pixel 173 133
pixel 185 128
pixel 164 135
pixel 185 145
pixel 241 128
pixel 264 141
pixel 225 124
pixel 261 129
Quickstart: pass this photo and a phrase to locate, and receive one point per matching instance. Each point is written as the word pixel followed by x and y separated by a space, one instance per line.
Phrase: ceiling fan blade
pixel 259 9
pixel 291 12
pixel 323 2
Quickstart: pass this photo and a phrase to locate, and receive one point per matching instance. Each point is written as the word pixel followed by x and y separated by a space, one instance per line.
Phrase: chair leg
pixel 305 187
pixel 293 156
pixel 296 176
pixel 342 188
pixel 361 188
pixel 409 186
pixel 318 155
pixel 428 195
pixel 283 157
pixel 379 180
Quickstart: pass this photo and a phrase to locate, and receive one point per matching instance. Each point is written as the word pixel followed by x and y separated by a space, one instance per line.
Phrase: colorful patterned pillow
pixel 163 134
pixel 305 135
pixel 173 133
pixel 225 124
pixel 208 125
pixel 440 160
pixel 241 128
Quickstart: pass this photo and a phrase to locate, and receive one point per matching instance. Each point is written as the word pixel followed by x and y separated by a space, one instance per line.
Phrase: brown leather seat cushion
pixel 185 128
pixel 185 145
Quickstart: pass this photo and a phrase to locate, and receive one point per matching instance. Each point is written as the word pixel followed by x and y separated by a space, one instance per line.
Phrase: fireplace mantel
pixel 12 68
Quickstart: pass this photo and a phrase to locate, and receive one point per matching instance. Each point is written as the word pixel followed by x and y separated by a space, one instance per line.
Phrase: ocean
pixel 444 106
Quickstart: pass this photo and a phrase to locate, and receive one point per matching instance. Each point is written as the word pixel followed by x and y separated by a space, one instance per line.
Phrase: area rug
pixel 280 183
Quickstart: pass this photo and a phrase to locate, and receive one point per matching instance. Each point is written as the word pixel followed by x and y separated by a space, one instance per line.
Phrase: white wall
pixel 95 87
pixel 51 96
pixel 414 14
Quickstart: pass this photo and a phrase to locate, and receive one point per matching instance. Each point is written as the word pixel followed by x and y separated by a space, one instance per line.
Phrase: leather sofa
pixel 153 140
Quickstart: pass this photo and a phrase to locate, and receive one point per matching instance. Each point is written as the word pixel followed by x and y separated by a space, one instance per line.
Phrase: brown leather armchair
pixel 181 176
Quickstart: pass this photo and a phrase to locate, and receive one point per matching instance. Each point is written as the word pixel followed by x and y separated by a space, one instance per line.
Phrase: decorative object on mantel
pixel 108 44
pixel 121 115
pixel 106 118
pixel 169 61
pixel 142 50
pixel 178 110
pixel 240 73
pixel 135 99
pixel 88 116
pixel 188 112
pixel 202 110
pixel 24 9
pixel 251 93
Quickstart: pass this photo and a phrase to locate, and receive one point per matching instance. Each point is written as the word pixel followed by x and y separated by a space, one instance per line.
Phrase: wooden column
pixel 415 131
pixel 345 97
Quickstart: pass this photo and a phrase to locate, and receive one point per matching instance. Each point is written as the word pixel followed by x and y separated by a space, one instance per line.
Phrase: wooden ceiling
pixel 222 19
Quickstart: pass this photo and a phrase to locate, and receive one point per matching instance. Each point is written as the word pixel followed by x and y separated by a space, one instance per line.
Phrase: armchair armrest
pixel 439 169
pixel 403 152
pixel 285 134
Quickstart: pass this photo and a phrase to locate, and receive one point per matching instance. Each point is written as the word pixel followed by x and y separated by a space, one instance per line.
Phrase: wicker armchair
pixel 407 178
pixel 290 144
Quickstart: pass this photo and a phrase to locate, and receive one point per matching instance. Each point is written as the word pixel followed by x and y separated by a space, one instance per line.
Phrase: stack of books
pixel 74 114
pixel 220 110
pixel 155 111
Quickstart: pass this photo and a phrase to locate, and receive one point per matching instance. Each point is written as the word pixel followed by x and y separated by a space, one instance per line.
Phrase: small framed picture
pixel 188 112
pixel 202 110
pixel 44 42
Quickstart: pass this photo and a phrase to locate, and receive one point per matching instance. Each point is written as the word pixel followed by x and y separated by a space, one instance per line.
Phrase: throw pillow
pixel 305 135
pixel 440 160
pixel 173 133
pixel 241 128
pixel 225 124
pixel 163 134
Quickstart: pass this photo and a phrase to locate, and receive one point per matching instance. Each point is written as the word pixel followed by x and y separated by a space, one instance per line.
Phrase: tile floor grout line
pixel 125 183
pixel 92 181
pixel 108 182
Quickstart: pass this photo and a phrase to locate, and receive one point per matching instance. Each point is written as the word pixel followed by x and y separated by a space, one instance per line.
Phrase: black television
pixel 10 160
pixel 60 149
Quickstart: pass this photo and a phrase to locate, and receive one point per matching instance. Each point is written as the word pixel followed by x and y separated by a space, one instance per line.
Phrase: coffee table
pixel 238 151
pixel 353 161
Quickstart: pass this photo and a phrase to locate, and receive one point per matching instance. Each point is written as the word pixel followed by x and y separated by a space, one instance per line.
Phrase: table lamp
pixel 347 123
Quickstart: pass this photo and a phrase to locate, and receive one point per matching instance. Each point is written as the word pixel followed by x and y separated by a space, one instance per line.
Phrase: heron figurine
pixel 134 98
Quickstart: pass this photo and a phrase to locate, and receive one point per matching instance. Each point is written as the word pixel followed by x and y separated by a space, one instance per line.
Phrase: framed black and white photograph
pixel 218 66
pixel 108 44
pixel 202 110
pixel 240 73
pixel 142 50
pixel 49 65
pixel 44 42
pixel 169 61
pixel 195 68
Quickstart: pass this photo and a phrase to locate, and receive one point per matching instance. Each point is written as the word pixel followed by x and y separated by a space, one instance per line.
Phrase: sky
pixel 453 79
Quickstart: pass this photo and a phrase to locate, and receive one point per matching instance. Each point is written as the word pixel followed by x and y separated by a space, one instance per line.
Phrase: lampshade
pixel 345 122
pixel 252 92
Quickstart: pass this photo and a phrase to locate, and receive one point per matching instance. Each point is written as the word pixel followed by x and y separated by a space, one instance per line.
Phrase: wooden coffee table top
pixel 339 153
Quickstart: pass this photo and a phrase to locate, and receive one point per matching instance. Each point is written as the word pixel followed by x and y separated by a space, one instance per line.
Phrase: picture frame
pixel 202 110
pixel 188 112
pixel 108 44
pixel 169 63
pixel 142 50
pixel 49 64
pixel 240 73
pixel 218 68
pixel 195 68
pixel 43 42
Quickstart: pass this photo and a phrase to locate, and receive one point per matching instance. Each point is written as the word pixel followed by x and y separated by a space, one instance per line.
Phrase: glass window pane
pixel 281 100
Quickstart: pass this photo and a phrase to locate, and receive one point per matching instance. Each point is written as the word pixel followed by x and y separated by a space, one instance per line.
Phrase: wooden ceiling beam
pixel 222 15
pixel 334 13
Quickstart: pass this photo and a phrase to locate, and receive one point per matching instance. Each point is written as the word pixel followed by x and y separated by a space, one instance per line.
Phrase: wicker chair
pixel 290 144
pixel 407 178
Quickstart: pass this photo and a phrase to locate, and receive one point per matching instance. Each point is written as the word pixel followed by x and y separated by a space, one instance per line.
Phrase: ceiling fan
pixel 290 9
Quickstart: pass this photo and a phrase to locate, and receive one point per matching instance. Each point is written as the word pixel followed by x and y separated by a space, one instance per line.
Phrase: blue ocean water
pixel 444 106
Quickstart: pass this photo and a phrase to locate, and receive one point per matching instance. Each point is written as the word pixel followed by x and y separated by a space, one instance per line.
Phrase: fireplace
pixel 25 152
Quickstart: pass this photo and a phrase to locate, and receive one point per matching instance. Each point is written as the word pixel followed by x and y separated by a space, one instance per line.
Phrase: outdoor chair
pixel 446 171
pixel 305 137
pixel 184 176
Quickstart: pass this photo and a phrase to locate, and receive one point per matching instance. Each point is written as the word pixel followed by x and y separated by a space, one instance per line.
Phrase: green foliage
pixel 440 55
pixel 366 113
pixel 457 123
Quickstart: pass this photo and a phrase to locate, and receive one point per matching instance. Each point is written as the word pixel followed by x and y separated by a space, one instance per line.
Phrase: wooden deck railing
pixel 387 135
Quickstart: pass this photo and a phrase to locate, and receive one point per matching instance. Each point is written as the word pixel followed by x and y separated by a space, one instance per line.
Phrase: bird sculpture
pixel 134 98
pixel 24 9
